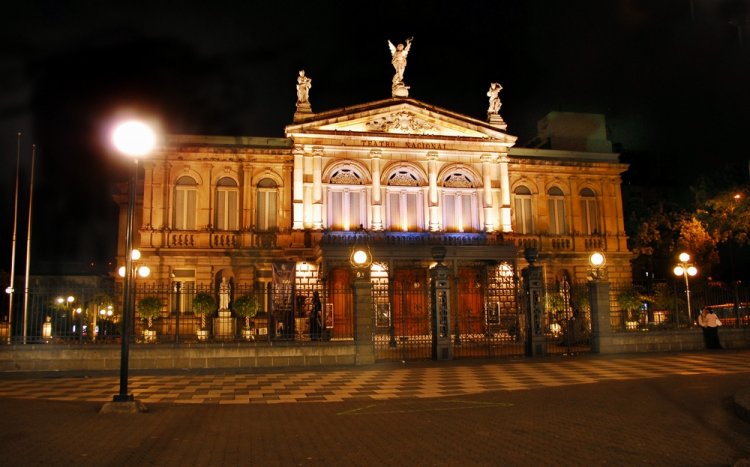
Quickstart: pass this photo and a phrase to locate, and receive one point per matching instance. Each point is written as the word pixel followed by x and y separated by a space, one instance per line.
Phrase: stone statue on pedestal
pixel 303 88
pixel 493 111
pixel 398 59
pixel 494 95
pixel 225 290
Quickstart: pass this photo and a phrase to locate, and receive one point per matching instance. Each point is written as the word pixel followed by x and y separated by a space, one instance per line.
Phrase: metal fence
pixel 86 316
pixel 486 321
pixel 664 305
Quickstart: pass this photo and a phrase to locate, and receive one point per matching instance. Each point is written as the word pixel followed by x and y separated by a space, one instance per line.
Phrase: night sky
pixel 671 77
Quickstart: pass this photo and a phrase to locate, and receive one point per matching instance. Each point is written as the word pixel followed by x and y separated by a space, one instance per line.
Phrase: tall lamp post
pixel 685 268
pixel 133 139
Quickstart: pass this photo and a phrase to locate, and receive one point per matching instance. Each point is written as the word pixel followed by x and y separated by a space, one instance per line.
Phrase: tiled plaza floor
pixel 374 382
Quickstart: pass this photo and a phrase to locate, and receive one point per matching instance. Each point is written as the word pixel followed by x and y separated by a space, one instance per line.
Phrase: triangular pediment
pixel 398 117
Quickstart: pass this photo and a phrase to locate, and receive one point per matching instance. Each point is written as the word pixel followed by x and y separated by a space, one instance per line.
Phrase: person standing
pixel 712 323
pixel 316 320
pixel 702 324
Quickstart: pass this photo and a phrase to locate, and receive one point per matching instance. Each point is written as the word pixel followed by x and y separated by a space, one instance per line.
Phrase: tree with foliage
pixel 204 305
pixel 149 309
pixel 630 300
pixel 246 307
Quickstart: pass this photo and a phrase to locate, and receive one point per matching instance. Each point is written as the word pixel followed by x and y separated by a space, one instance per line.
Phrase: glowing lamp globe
pixel 359 257
pixel 596 259
pixel 134 138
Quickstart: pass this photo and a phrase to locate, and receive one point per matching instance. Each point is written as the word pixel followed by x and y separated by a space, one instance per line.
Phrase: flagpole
pixel 13 250
pixel 28 246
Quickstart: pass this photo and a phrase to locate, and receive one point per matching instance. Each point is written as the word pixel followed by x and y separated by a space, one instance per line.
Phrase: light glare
pixel 134 138
pixel 359 257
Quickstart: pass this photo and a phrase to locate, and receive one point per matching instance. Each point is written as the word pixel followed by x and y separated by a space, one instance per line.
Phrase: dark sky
pixel 671 76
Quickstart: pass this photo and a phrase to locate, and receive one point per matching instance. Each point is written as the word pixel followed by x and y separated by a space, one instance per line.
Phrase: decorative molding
pixel 402 122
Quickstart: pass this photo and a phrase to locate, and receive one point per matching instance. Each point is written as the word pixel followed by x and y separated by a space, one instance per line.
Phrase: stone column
pixel 317 191
pixel 533 288
pixel 505 222
pixel 489 215
pixel 432 198
pixel 298 189
pixel 440 288
pixel 363 317
pixel 377 218
pixel 601 327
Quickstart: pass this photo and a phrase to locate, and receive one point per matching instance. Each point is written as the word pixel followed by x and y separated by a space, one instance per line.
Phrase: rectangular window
pixel 184 289
pixel 345 209
pixel 267 210
pixel 523 215
pixel 226 209
pixel 589 216
pixel 185 207
pixel 557 221
pixel 404 211
pixel 459 212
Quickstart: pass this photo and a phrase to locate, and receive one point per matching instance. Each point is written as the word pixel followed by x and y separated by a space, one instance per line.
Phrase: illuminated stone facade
pixel 279 217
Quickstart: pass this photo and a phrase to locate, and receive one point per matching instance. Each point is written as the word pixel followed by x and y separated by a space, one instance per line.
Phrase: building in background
pixel 278 216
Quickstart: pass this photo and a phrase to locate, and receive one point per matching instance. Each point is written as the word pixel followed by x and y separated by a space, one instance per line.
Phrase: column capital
pixel 488 157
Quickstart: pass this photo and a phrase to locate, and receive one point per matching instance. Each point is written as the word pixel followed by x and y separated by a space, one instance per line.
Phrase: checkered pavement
pixel 375 382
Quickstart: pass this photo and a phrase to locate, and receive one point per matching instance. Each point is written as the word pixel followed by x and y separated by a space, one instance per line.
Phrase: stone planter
pixel 202 334
pixel 149 335
pixel 248 334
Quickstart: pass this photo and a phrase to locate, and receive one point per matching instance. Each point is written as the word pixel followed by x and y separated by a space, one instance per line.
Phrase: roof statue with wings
pixel 398 59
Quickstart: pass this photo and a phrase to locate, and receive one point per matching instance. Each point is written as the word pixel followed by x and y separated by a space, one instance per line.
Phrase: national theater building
pixel 399 176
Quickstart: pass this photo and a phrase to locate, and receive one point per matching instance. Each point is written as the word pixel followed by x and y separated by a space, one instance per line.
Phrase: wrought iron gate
pixel 485 317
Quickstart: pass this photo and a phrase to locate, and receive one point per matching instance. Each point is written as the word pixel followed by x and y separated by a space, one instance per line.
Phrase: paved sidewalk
pixel 659 409
pixel 376 382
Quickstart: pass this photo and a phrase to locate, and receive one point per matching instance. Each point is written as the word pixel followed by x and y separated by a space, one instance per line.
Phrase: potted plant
pixel 555 305
pixel 204 305
pixel 246 307
pixel 630 301
pixel 149 309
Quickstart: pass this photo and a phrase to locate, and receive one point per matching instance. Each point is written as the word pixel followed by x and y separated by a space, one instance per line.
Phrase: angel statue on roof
pixel 398 59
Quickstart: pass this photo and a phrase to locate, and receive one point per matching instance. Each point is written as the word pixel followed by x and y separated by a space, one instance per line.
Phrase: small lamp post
pixel 597 261
pixel 135 140
pixel 685 268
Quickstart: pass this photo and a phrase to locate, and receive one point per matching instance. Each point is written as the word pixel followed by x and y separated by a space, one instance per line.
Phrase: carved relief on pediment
pixel 402 122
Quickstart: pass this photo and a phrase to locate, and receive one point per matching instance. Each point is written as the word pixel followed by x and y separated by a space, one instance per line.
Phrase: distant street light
pixel 136 140
pixel 685 268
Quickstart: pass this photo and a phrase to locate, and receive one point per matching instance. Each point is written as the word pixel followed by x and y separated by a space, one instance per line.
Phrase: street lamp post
pixel 685 268
pixel 133 139
pixel 67 305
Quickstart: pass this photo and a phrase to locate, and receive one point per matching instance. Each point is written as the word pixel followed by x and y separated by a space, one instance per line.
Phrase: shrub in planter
pixel 630 301
pixel 246 307
pixel 204 305
pixel 149 309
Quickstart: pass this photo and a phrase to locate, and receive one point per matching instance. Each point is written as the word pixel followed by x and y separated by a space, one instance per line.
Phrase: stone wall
pixel 197 356
pixel 671 341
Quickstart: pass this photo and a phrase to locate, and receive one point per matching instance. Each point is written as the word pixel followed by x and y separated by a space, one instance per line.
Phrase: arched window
pixel 185 203
pixel 557 221
pixel 460 209
pixel 589 212
pixel 227 206
pixel 524 222
pixel 404 210
pixel 267 207
pixel 346 200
